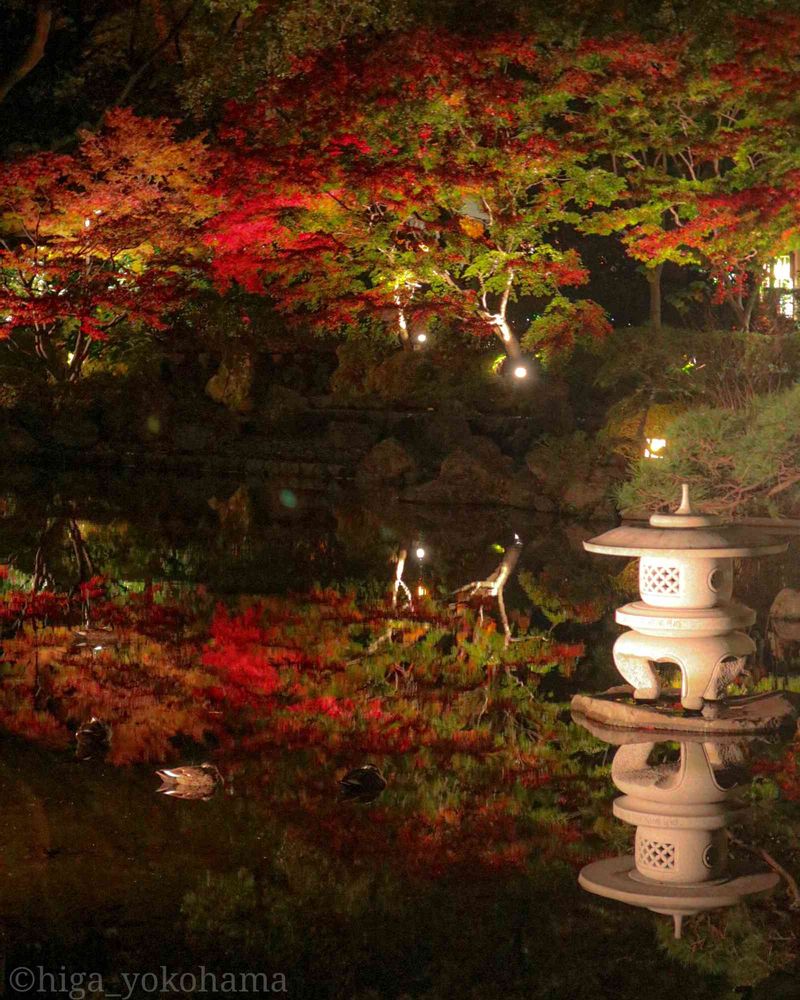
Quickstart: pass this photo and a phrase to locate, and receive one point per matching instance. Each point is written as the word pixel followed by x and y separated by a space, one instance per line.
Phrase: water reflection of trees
pixel 239 538
pixel 494 799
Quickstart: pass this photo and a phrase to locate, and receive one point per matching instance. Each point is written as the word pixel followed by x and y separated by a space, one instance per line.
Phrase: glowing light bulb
pixel 520 372
pixel 654 447
pixel 420 553
pixel 421 338
pixel 421 591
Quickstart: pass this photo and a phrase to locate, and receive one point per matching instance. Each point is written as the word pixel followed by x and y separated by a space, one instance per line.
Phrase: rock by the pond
pixel 283 404
pixel 783 632
pixel 590 494
pixel 756 713
pixel 232 383
pixel 387 463
pixel 351 435
pixel 786 605
pixel 479 474
pixel 446 429
pixel 235 514
pixel 578 476
pixel 488 453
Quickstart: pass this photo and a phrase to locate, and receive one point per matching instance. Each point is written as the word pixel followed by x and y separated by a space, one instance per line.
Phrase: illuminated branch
pixel 494 584
pixel 399 583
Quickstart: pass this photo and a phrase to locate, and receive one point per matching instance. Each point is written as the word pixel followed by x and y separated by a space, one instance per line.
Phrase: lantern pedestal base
pixel 612 878
pixel 746 714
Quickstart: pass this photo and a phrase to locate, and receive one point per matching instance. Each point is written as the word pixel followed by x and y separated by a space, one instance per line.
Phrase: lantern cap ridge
pixel 686 532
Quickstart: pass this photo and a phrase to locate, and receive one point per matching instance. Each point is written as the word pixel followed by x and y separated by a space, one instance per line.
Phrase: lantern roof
pixel 688 531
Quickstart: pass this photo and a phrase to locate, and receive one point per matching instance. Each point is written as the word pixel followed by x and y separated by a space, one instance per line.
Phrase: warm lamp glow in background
pixel 654 448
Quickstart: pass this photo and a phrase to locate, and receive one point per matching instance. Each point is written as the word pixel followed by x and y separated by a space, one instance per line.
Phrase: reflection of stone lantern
pixel 685 616
pixel 680 811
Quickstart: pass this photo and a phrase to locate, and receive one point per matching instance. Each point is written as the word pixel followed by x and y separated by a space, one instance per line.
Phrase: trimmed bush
pixel 737 462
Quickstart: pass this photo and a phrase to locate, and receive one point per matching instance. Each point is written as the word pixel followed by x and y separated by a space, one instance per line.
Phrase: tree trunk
pixel 654 282
pixel 399 583
pixel 509 339
pixel 35 51
pixel 494 585
pixel 49 356
pixel 743 308
pixel 641 430
pixel 402 328
pixel 137 75
pixel 79 355
pixel 752 299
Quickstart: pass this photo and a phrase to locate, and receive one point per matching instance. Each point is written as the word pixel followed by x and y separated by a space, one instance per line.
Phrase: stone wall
pixel 447 456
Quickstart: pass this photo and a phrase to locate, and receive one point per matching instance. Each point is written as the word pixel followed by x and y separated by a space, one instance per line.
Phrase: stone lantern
pixel 680 810
pixel 686 615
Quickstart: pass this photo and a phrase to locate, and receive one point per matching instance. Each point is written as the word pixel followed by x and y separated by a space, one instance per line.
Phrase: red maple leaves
pixel 396 190
pixel 421 177
pixel 106 236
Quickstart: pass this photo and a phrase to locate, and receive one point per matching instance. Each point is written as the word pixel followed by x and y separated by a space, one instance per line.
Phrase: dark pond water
pixel 252 627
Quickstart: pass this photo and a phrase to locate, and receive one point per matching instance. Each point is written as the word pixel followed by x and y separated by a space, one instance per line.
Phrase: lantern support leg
pixel 725 673
pixel 636 667
pixel 708 664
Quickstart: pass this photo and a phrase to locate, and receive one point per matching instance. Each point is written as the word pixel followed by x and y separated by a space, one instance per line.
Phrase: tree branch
pixel 506 293
pixel 791 884
pixel 171 35
pixel 35 51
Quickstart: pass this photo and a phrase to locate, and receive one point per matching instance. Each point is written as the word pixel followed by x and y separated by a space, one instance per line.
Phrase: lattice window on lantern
pixel 660 579
pixel 655 854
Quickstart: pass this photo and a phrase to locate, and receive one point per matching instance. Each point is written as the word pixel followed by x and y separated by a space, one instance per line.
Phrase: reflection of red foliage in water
pixel 134 670
pixel 333 681
pixel 784 772
pixel 244 668
pixel 337 708
pixel 92 589
pixel 238 656
pixel 44 606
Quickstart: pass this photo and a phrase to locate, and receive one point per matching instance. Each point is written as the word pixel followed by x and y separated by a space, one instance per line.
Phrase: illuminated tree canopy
pixel 104 237
pixel 425 188
pixel 417 180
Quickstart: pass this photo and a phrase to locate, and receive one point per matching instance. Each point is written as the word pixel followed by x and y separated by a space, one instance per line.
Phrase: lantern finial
pixel 686 503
